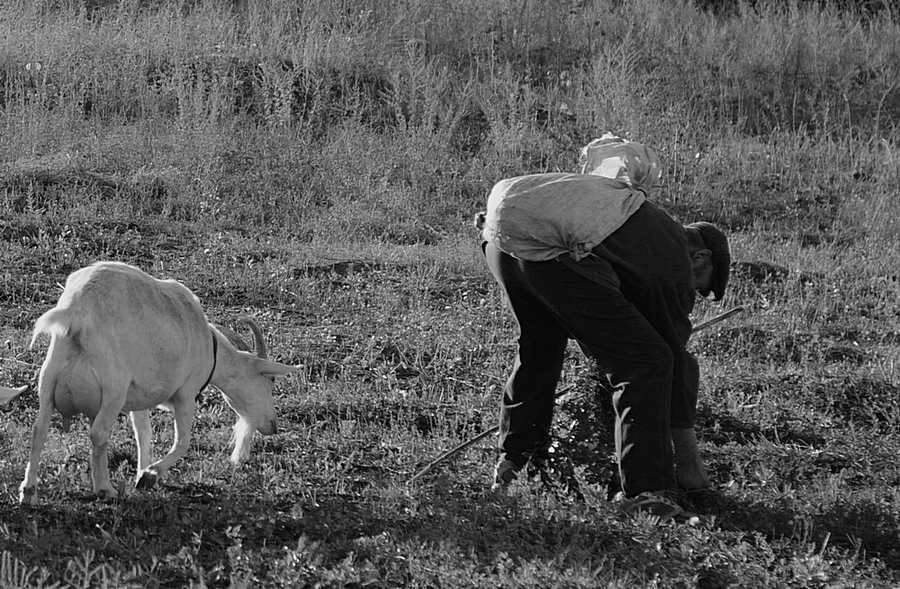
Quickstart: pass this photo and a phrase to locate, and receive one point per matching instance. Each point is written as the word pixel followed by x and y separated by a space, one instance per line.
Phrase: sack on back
pixel 541 216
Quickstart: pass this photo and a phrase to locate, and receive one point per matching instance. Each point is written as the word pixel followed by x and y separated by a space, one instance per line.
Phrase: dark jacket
pixel 649 254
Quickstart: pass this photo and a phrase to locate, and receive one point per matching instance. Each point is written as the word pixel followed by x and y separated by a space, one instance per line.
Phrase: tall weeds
pixel 338 121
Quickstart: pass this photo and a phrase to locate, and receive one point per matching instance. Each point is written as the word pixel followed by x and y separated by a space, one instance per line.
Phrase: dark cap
pixel 717 243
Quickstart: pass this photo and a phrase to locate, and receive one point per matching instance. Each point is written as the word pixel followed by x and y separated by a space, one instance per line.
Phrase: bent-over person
pixel 589 257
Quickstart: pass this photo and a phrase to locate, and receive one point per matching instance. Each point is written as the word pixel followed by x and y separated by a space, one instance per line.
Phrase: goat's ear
pixel 272 368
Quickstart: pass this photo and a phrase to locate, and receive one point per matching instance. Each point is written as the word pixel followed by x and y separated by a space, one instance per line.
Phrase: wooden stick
pixel 450 454
pixel 718 318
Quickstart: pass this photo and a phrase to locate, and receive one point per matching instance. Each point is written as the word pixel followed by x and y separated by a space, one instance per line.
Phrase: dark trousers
pixel 551 302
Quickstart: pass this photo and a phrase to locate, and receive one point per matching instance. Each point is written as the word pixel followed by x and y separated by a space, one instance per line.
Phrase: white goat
pixel 125 341
pixel 8 394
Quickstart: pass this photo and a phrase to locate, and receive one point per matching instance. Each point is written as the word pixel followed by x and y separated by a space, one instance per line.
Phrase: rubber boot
pixel 689 468
pixel 504 474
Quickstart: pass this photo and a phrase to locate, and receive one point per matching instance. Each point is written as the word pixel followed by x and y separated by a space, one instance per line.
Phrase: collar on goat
pixel 215 356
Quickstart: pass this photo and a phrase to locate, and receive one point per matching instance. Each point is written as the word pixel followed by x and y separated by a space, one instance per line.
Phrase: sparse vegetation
pixel 317 165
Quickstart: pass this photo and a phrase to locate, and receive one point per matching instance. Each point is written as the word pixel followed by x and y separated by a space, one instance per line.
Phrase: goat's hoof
pixel 28 496
pixel 147 480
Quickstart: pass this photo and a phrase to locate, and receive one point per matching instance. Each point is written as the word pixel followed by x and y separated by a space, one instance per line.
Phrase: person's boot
pixel 504 474
pixel 690 471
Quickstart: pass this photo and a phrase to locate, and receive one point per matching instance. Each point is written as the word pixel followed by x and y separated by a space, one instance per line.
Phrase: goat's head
pixel 246 380
pixel 7 394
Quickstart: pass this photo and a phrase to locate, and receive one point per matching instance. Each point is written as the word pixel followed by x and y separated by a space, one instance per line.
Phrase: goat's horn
pixel 261 349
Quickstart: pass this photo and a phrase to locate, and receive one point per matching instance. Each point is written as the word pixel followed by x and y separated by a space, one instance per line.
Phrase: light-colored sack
pixel 541 216
pixel 633 163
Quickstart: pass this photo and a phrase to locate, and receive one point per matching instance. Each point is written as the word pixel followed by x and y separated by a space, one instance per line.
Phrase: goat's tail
pixel 57 321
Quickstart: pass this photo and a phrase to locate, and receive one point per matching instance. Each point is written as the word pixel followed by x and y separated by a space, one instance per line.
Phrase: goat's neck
pixel 215 359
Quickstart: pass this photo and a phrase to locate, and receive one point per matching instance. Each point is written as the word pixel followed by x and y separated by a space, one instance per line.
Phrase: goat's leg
pixel 101 426
pixel 41 429
pixel 183 411
pixel 39 433
pixel 140 422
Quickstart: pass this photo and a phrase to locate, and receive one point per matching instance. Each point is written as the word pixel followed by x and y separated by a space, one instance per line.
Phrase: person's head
pixel 710 258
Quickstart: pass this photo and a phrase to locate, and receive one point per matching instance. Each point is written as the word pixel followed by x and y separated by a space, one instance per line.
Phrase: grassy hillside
pixel 316 165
